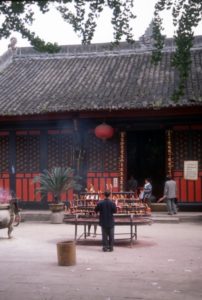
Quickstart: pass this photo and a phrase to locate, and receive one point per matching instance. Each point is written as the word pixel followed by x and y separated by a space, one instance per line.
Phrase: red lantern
pixel 104 131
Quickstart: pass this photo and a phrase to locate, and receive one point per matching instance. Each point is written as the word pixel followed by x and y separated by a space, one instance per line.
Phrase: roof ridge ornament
pixel 12 44
pixel 147 38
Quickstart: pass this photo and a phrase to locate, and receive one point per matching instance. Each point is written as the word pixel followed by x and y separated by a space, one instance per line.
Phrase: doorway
pixel 146 158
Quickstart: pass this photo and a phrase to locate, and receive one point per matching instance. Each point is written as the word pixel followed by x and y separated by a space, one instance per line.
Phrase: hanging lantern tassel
pixel 104 131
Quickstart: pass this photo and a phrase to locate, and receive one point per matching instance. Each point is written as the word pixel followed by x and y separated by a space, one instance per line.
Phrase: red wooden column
pixel 169 152
pixel 122 160
pixel 4 161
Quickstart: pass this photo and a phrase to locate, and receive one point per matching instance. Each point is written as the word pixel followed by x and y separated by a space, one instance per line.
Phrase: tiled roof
pixel 92 78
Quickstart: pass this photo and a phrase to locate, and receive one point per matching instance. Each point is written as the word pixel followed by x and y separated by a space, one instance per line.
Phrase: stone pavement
pixel 164 263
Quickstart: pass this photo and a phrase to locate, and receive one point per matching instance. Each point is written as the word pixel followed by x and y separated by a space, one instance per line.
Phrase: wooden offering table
pixel 120 220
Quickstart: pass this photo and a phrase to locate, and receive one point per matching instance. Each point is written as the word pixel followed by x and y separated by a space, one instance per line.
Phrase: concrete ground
pixel 164 263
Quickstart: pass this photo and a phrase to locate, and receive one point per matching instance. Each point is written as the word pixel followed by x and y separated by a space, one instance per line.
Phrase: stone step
pixel 158 207
pixel 157 217
pixel 166 220
pixel 34 215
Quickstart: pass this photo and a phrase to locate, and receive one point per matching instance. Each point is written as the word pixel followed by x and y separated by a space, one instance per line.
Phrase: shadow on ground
pixel 119 243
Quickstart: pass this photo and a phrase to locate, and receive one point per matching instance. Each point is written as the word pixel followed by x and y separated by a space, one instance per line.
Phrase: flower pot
pixel 66 253
pixel 57 214
pixel 56 207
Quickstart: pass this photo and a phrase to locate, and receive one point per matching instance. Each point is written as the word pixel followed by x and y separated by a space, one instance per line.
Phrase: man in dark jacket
pixel 106 209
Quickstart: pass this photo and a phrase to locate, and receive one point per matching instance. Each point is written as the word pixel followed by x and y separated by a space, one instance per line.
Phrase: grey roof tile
pixel 73 80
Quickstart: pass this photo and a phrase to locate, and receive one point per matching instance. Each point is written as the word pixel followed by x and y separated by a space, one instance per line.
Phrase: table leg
pixel 131 230
pixel 85 231
pixel 131 233
pixel 136 232
pixel 75 232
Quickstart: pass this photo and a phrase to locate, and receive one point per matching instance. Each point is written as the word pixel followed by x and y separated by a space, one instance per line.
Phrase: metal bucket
pixel 5 216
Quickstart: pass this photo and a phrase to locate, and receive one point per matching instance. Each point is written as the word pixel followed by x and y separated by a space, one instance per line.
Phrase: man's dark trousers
pixel 108 238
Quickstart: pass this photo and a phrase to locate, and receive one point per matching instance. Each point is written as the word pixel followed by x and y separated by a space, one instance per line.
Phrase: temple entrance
pixel 146 158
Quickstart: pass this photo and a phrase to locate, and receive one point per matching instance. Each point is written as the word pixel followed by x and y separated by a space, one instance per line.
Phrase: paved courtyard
pixel 165 263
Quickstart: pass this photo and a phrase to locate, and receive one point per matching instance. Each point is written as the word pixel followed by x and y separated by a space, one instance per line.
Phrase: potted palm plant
pixel 56 181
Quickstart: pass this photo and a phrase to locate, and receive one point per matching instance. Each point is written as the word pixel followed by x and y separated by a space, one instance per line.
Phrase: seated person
pixel 132 184
pixel 147 191
pixel 67 205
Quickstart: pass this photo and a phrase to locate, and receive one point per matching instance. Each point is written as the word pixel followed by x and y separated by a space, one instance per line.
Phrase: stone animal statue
pixel 7 215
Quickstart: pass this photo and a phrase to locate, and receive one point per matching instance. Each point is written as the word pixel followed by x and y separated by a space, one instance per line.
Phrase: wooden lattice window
pixel 60 149
pixel 197 147
pixel 27 152
pixel 103 156
pixel 180 148
pixel 4 153
pixel 187 146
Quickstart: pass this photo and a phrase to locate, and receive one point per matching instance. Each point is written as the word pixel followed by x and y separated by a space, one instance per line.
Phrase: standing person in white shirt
pixel 170 195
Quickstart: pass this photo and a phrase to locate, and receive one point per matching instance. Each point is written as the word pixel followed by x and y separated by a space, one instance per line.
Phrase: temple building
pixel 106 112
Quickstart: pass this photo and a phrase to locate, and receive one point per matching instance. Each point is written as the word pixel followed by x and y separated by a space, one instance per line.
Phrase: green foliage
pixel 186 16
pixel 81 14
pixel 56 181
pixel 18 14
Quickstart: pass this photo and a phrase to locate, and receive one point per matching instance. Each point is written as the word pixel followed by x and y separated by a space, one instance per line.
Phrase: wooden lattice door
pixel 27 164
pixel 187 145
pixel 60 153
pixel 4 161
pixel 103 163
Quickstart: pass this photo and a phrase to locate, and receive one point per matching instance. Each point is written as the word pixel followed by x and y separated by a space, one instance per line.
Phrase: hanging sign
pixel 191 169
pixel 115 182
